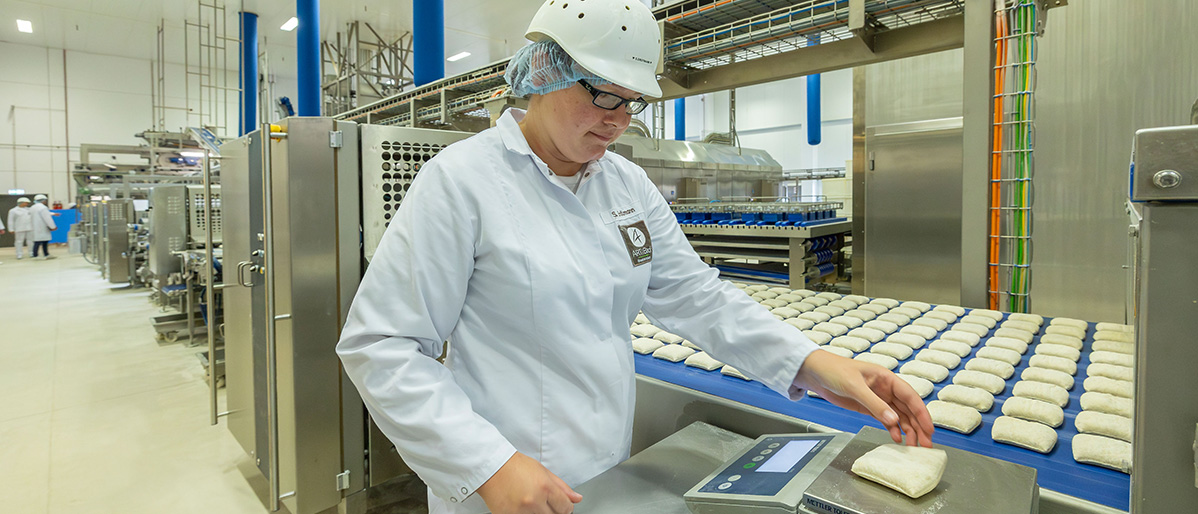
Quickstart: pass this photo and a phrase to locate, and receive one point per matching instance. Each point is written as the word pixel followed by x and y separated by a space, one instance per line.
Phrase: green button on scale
pixel 750 465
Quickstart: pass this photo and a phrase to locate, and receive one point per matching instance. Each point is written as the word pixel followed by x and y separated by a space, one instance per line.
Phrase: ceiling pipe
pixel 308 57
pixel 428 41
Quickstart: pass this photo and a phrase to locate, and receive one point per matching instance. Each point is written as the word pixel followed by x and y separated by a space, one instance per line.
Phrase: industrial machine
pixel 115 216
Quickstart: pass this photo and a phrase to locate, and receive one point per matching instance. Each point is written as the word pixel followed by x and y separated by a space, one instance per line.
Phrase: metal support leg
pixel 797 268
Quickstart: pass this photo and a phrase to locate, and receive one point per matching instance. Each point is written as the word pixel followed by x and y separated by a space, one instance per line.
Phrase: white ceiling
pixel 488 29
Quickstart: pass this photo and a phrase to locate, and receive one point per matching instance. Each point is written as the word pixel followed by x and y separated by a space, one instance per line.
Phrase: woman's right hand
pixel 524 486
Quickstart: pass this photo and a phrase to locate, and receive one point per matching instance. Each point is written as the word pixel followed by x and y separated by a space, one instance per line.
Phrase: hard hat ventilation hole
pixel 580 15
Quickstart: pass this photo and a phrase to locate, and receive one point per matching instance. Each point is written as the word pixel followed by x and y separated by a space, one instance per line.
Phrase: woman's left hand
pixel 869 389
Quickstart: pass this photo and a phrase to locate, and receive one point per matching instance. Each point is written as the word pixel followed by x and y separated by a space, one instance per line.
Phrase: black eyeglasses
pixel 611 101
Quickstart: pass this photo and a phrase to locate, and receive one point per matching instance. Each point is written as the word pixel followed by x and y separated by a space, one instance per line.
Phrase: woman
pixel 531 248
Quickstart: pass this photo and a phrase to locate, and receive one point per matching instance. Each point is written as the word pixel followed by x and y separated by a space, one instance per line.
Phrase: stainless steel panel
pixel 913 216
pixel 977 139
pixel 118 214
pixel 168 230
pixel 391 158
pixel 1093 92
pixel 1166 164
pixel 195 214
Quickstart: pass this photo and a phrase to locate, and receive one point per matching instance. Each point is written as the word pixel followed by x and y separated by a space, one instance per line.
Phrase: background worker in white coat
pixel 20 222
pixel 530 248
pixel 43 225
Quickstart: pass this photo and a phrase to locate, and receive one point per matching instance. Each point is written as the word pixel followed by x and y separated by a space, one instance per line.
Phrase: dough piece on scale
pixel 911 470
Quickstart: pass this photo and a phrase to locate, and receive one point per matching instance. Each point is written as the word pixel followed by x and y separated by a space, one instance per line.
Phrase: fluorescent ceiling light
pixel 458 56
pixel 25 26
pixel 192 153
pixel 291 24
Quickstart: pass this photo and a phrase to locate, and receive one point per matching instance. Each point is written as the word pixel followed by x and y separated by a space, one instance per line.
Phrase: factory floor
pixel 95 416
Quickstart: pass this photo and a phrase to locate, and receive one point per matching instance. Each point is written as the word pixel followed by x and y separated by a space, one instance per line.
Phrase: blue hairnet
pixel 544 67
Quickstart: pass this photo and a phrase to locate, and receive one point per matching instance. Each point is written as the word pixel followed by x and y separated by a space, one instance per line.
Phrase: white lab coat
pixel 20 223
pixel 535 288
pixel 43 222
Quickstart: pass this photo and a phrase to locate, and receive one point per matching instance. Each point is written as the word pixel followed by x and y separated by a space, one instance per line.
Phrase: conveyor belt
pixel 1057 469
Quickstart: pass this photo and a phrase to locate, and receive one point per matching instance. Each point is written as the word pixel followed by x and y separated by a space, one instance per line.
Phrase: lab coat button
pixel 464 490
pixel 453 499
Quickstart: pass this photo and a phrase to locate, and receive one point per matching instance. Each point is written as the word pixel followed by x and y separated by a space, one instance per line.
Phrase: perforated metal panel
pixel 391 159
pixel 195 214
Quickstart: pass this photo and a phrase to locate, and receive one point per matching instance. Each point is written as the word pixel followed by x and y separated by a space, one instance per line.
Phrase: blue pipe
pixel 249 73
pixel 680 119
pixel 308 57
pixel 428 41
pixel 814 123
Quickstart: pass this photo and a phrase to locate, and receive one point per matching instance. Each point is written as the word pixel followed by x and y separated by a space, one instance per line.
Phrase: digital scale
pixel 703 469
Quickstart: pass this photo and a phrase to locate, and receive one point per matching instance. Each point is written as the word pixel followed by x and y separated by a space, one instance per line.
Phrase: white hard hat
pixel 39 198
pixel 614 39
pixel 23 200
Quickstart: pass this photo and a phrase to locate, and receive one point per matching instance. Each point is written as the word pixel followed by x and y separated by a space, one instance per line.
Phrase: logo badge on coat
pixel 636 239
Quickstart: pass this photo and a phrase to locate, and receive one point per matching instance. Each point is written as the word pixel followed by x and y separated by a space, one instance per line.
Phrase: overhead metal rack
pixel 713 45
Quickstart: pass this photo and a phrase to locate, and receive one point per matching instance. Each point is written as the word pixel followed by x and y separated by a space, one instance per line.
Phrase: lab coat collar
pixel 513 139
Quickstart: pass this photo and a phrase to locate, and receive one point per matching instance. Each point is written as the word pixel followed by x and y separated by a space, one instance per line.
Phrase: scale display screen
pixel 788 455
pixel 770 464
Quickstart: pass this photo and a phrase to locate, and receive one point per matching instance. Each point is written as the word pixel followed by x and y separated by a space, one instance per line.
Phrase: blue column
pixel 249 73
pixel 814 124
pixel 428 41
pixel 308 57
pixel 680 119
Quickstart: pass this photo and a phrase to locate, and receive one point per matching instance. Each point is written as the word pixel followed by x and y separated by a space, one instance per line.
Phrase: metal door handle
pixel 241 276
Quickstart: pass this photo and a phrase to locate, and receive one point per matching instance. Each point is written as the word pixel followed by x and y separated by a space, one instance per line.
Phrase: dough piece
pixel 861 314
pixel 1030 328
pixel 1102 451
pixel 945 316
pixel 673 352
pixel 1063 340
pixel 667 337
pixel 1114 346
pixel 968 338
pixel 889 303
pixel 1014 345
pixel 992 314
pixel 828 295
pixel 641 319
pixel 774 303
pixel 885 361
pixel 933 372
pixel 1118 359
pixel 765 295
pixel 999 369
pixel 779 290
pixel 921 385
pixel 954 347
pixel 739 285
pixel 1015 333
pixel 830 310
pixel 874 308
pixel 789 298
pixel 703 361
pixel 645 346
pixel 857 299
pixel 1069 322
pixel 952 416
pixel 1034 410
pixel 1066 330
pixel 1100 423
pixel 895 350
pixel 1024 434
pixel 972 328
pixel 1035 319
pixel 868 334
pixel 979 320
pixel 1114 335
pixel 816 301
pixel 932 323
pixel 801 306
pixel 990 383
pixel 955 309
pixel 919 306
pixel 1102 325
pixel 820 338
pixel 847 321
pixel 785 312
pixel 757 287
pixel 851 343
pixel 817 317
pixel 1048 376
pixel 1120 388
pixel 691 345
pixel 910 340
pixel 973 397
pixel 836 350
pixel 1110 404
pixel 1000 354
pixel 885 327
pixel 1058 350
pixel 1053 394
pixel 805 293
pixel 1050 362
pixel 1111 371
pixel 948 360
pixel 907 311
pixel 733 372
pixel 897 319
pixel 777 317
pixel 911 470
pixel 924 332
pixel 644 330
pixel 800 323
pixel 832 328
pixel 843 304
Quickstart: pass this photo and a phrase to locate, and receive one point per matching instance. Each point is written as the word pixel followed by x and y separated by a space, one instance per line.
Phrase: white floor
pixel 95 416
